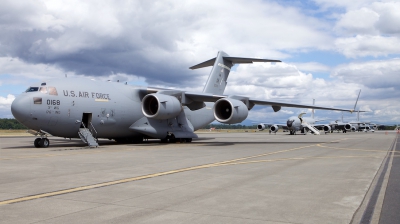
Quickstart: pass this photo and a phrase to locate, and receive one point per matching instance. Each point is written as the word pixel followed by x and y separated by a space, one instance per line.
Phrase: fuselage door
pixel 86 120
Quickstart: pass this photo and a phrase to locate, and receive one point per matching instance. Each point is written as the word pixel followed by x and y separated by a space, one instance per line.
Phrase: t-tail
pixel 222 64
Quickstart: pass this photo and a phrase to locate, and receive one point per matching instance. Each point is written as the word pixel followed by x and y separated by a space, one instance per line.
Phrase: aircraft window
pixel 43 90
pixel 37 100
pixel 52 90
pixel 32 89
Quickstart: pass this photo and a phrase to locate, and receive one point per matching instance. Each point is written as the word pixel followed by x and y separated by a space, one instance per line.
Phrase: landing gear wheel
pixel 164 140
pixel 172 139
pixel 44 142
pixel 188 140
pixel 36 143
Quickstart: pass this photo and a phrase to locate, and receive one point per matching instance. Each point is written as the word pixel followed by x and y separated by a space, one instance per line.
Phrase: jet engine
pixel 274 128
pixel 230 111
pixel 353 128
pixel 160 106
pixel 348 127
pixel 260 127
pixel 327 128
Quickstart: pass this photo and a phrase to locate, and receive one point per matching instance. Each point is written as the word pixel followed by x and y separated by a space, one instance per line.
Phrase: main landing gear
pixel 171 139
pixel 41 142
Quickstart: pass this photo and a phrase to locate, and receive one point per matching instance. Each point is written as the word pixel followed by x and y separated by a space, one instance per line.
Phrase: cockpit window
pixel 32 89
pixel 43 89
pixel 52 91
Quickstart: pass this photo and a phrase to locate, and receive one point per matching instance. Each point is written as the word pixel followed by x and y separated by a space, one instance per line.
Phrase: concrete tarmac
pixel 252 177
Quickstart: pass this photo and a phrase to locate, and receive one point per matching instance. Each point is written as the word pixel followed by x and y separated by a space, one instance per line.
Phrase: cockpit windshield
pixel 32 89
pixel 43 89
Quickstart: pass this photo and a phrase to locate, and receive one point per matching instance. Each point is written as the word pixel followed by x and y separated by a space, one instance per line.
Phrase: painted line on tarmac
pixel 76 152
pixel 350 149
pixel 126 180
pixel 105 184
pixel 302 158
pixel 373 209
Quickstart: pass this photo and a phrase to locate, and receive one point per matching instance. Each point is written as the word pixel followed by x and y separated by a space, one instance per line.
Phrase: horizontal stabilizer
pixel 236 60
pixel 204 64
pixel 233 60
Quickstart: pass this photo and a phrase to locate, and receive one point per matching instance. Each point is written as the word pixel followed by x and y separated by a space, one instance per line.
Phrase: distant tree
pixel 7 124
pixel 230 126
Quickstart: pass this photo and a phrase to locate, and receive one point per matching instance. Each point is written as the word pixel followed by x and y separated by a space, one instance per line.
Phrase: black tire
pixel 164 140
pixel 172 139
pixel 36 143
pixel 188 140
pixel 44 142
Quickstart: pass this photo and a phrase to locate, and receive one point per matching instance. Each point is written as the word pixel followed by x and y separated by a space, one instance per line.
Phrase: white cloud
pixel 361 46
pixel 367 28
pixel 5 102
pixel 380 74
pixel 312 67
pixel 377 18
pixel 349 5
pixel 71 32
pixel 361 21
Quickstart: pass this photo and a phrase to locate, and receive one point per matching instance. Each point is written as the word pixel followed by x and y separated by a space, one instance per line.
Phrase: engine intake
pixel 274 128
pixel 160 106
pixel 230 111
pixel 260 127
pixel 327 128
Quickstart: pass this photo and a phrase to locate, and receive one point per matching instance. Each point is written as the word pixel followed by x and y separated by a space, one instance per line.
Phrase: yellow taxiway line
pixel 223 163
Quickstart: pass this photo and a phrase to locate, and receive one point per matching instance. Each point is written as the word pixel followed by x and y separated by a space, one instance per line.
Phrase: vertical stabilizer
pixel 222 65
pixel 218 77
pixel 357 99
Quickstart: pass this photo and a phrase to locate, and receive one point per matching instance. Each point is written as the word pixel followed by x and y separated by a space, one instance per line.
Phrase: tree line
pixel 230 126
pixel 7 124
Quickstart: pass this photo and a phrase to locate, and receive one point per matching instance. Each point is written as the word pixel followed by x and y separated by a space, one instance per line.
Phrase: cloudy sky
pixel 330 49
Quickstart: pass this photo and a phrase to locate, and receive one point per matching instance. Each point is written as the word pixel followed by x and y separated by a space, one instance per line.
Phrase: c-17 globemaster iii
pixel 89 109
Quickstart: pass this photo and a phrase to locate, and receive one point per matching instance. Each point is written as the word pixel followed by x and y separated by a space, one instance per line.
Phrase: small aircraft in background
pixel 306 124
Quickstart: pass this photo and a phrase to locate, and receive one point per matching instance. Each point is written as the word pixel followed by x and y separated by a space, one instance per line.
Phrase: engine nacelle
pixel 348 127
pixel 260 127
pixel 274 128
pixel 160 106
pixel 230 111
pixel 353 128
pixel 327 128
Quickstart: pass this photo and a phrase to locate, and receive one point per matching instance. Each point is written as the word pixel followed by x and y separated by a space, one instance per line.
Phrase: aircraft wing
pixel 198 99
pixel 204 97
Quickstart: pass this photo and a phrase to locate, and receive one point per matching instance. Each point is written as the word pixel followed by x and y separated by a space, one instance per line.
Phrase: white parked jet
pixel 87 109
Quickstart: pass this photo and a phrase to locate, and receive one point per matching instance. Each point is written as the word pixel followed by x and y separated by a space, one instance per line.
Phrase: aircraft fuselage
pixel 60 106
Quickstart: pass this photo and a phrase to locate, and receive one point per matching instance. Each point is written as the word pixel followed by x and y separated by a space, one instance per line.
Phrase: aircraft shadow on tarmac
pixel 67 144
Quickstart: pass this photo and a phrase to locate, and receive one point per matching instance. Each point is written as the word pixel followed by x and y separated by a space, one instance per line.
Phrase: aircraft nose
pixel 20 108
pixel 289 123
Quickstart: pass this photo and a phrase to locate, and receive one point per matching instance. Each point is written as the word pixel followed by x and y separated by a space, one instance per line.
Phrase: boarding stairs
pixel 87 137
pixel 312 128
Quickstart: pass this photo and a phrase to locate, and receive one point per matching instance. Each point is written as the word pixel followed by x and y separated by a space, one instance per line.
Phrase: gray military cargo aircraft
pixel 89 109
